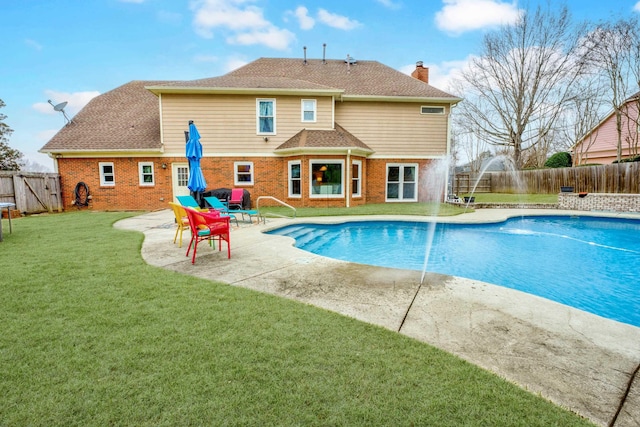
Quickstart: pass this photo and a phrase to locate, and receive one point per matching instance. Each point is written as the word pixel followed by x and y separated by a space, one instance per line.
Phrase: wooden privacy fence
pixel 32 192
pixel 466 182
pixel 615 178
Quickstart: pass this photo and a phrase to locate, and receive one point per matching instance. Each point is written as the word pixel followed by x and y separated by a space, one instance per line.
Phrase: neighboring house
pixel 600 144
pixel 307 132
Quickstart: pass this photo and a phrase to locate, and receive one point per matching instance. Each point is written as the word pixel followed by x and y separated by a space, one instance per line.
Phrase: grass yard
pixel 424 209
pixel 513 198
pixel 93 336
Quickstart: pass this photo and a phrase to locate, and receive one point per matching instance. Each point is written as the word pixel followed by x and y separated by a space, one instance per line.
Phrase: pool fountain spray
pixel 435 181
pixel 508 164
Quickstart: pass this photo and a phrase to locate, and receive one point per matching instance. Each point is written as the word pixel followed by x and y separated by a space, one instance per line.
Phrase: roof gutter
pixel 444 100
pixel 357 151
pixel 157 90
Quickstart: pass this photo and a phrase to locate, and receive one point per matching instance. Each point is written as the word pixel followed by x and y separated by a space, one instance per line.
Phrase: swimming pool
pixel 588 263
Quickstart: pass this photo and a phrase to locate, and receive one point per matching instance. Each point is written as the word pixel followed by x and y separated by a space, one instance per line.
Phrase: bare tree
pixel 516 89
pixel 468 146
pixel 577 131
pixel 615 50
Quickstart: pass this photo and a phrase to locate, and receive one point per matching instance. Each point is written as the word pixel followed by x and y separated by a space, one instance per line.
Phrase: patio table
pixel 7 205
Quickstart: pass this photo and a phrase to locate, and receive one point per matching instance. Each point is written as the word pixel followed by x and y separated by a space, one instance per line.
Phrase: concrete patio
pixel 577 360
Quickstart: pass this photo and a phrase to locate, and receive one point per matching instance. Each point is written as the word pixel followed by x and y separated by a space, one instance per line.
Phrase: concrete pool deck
pixel 577 360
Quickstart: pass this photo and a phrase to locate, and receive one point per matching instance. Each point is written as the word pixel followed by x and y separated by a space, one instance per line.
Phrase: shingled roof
pixel 361 79
pixel 309 139
pixel 123 119
pixel 127 118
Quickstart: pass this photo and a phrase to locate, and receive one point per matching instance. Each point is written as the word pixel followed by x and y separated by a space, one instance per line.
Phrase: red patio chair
pixel 235 200
pixel 208 226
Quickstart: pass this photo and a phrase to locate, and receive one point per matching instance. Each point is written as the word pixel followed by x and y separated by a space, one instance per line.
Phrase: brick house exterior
pixel 600 144
pixel 309 133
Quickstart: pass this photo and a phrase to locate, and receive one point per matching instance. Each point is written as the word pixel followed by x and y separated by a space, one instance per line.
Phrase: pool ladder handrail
pixel 271 214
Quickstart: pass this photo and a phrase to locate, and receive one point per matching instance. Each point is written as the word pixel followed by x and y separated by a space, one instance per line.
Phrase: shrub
pixel 559 160
pixel 629 159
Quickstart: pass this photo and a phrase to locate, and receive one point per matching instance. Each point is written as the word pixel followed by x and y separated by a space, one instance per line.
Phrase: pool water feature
pixel 585 262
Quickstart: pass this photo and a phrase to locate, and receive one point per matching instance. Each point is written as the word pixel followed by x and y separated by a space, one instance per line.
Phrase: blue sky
pixel 73 50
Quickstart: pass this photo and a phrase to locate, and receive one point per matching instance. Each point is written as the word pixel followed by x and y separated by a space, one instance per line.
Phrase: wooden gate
pixel 32 192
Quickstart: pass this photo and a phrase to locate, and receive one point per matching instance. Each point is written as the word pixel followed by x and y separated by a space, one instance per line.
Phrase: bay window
pixel 326 178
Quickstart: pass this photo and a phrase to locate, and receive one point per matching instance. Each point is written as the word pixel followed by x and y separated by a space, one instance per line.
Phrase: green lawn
pixel 440 209
pixel 513 198
pixel 91 335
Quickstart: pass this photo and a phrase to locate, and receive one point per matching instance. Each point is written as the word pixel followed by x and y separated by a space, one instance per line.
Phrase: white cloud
pixel 390 4
pixel 234 64
pixel 458 16
pixel 636 8
pixel 337 21
pixel 272 37
pixel 302 14
pixel 45 135
pixel 242 23
pixel 441 75
pixel 75 101
pixel 34 44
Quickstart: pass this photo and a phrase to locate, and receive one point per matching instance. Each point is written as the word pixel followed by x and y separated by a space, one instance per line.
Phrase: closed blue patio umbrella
pixel 196 182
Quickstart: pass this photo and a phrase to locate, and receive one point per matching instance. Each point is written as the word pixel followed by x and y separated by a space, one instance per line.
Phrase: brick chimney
pixel 421 73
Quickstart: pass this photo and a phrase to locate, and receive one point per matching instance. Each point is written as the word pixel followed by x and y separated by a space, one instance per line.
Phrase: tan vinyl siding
pixel 227 123
pixel 395 129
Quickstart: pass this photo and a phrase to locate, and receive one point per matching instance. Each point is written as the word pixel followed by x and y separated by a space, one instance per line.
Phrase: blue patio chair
pixel 216 203
pixel 190 202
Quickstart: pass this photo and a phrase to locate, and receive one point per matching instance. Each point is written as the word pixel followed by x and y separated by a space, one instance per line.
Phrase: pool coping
pixel 578 360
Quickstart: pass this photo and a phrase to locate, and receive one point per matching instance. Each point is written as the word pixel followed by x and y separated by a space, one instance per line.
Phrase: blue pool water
pixel 592 264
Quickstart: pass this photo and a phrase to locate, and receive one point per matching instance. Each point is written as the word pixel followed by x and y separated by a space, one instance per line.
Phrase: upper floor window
pixel 243 173
pixel 308 110
pixel 431 110
pixel 266 115
pixel 107 175
pixel 145 172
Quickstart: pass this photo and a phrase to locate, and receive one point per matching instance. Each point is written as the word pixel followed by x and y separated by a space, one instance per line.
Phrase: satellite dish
pixel 60 107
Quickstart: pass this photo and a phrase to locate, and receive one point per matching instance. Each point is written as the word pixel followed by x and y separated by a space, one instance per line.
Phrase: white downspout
pixel 448 155
pixel 348 174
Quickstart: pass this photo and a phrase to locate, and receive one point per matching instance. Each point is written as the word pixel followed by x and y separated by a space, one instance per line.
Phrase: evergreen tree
pixel 10 159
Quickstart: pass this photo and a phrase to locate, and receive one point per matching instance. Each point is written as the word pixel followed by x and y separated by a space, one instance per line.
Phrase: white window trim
pixel 290 178
pixel 104 183
pixel 141 174
pixel 432 106
pixel 302 110
pixel 327 196
pixel 235 173
pixel 258 116
pixel 359 179
pixel 386 182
